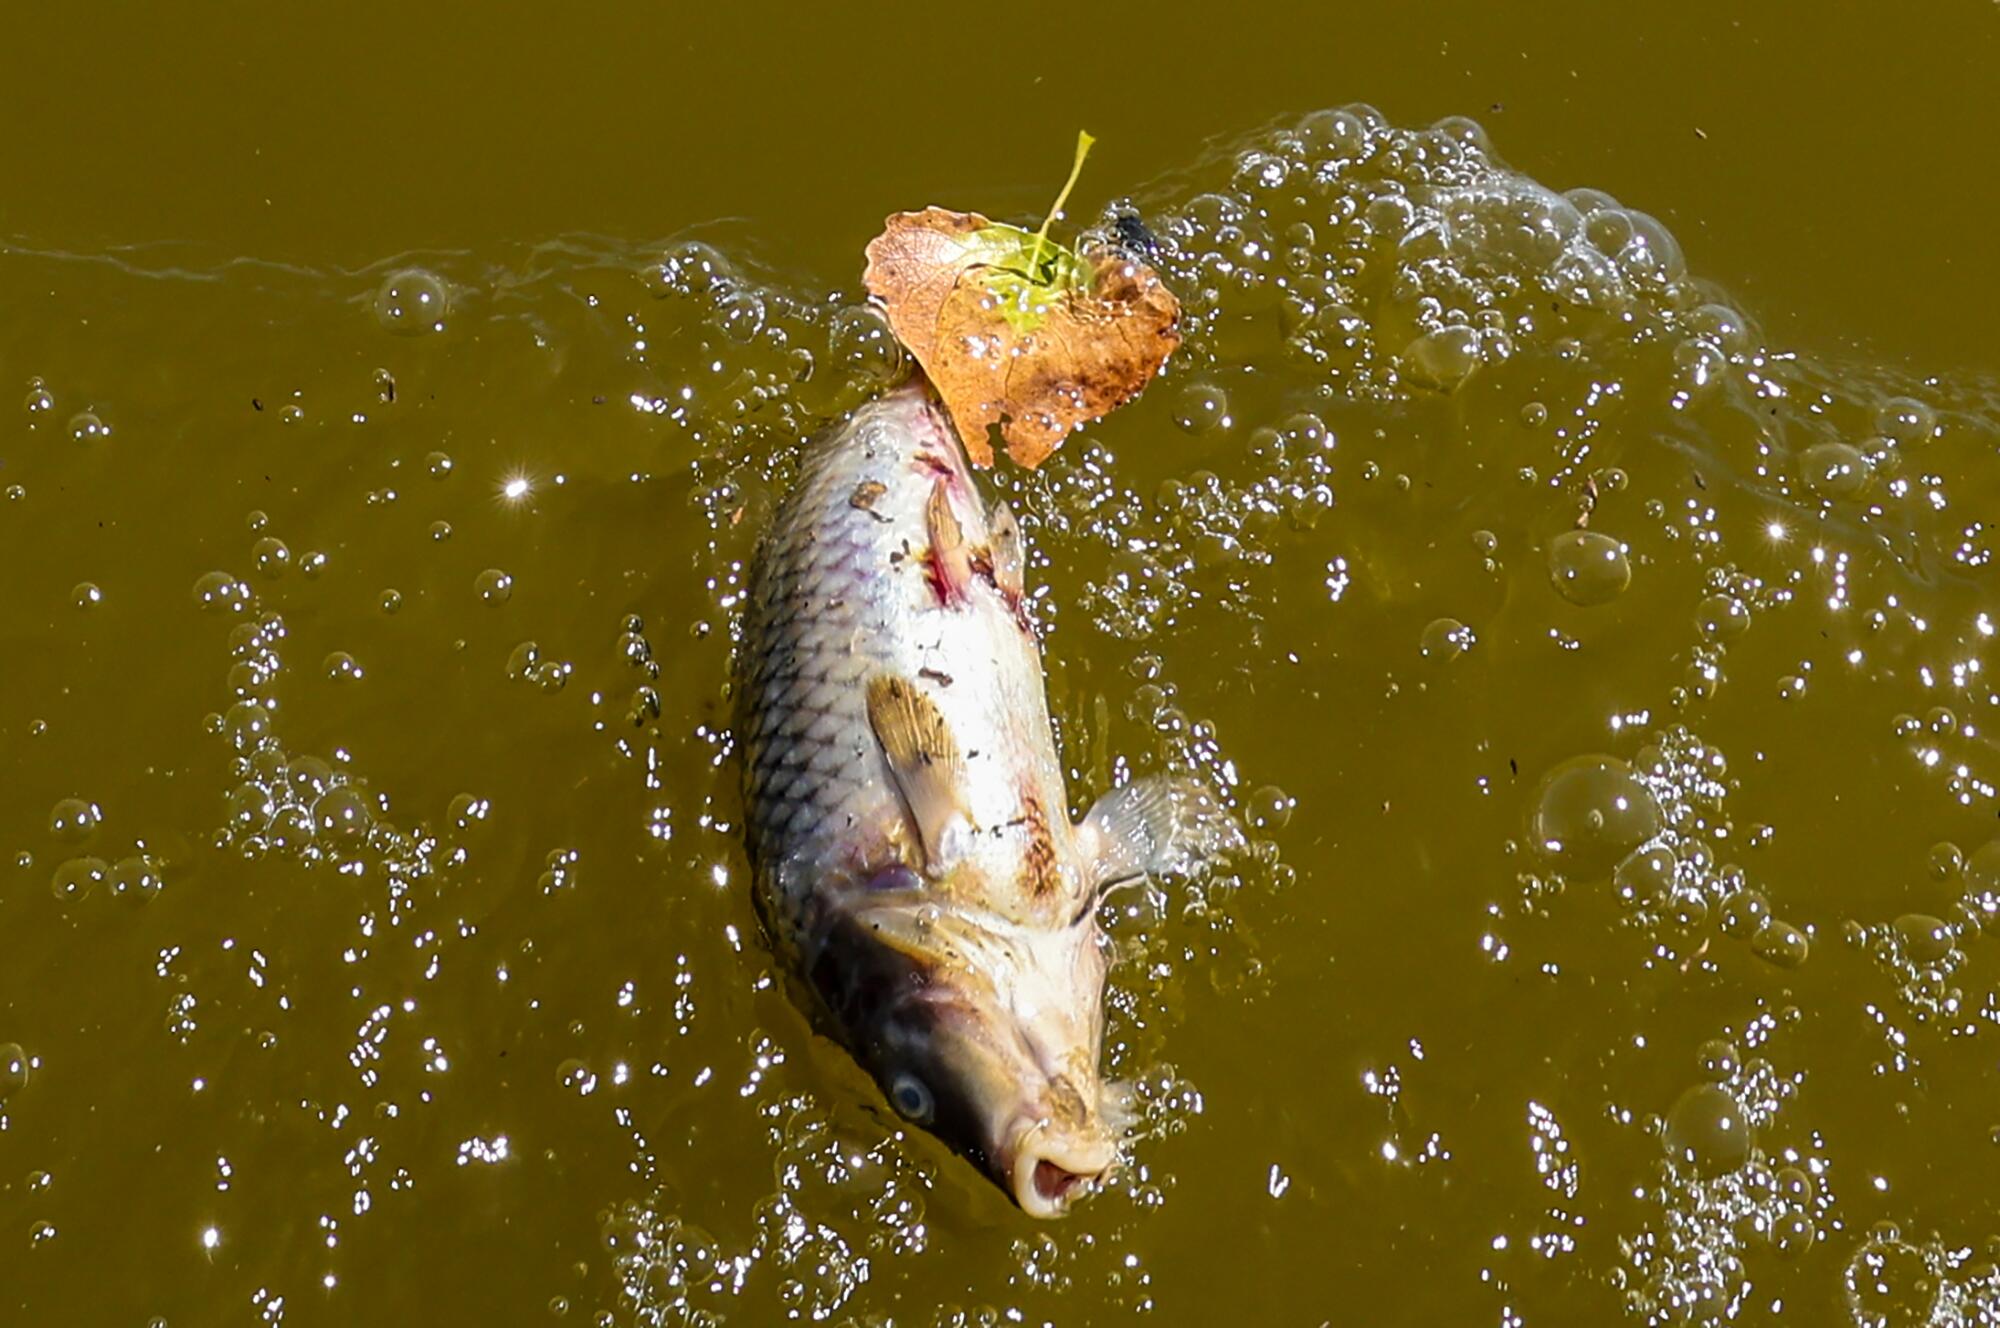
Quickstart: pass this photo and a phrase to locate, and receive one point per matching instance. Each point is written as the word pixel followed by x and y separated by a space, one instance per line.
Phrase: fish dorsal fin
pixel 923 758
pixel 1151 827
pixel 1003 547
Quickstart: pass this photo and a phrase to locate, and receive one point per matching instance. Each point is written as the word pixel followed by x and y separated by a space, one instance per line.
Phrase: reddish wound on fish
pixel 1039 861
pixel 950 562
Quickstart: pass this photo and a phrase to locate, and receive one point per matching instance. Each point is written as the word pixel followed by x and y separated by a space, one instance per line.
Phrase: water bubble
pixel 86 595
pixel 138 877
pixel 1707 1130
pixel 1890 1284
pixel 13 1069
pixel 290 829
pixel 1689 910
pixel 1592 811
pixel 1588 567
pixel 740 314
pixel 344 817
pixel 75 819
pixel 1445 639
pixel 411 302
pixel 440 531
pixel 1719 1059
pixel 494 586
pixel 40 1233
pixel 391 600
pixel 1793 1233
pixel 1722 325
pixel 1925 939
pixel 1946 860
pixel 1744 912
pixel 523 659
pixel 341 667
pixel 1339 134
pixel 1780 944
pixel 221 592
pixel 40 399
pixel 1202 408
pixel 310 777
pixel 291 413
pixel 312 564
pixel 1269 808
pixel 576 1076
pixel 690 268
pixel 87 428
pixel 1834 470
pixel 859 340
pixel 1906 421
pixel 271 556
pixel 247 725
pixel 1443 358
pixel 1646 878
pixel 468 809
pixel 76 878
pixel 1721 617
pixel 437 465
pixel 248 807
pixel 1698 366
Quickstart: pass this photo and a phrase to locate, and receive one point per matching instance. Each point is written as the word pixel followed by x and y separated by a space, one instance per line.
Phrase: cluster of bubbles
pixel 1653 828
pixel 841 1208
pixel 525 664
pixel 1722 1198
pixel 1893 1281
pixel 1390 258
pixel 1200 537
pixel 1925 954
pixel 76 824
pixel 301 806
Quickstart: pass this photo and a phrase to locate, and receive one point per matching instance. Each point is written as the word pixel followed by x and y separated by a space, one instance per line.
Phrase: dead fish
pixel 906 814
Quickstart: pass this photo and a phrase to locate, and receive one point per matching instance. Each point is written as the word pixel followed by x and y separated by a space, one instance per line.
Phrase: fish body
pixel 906 813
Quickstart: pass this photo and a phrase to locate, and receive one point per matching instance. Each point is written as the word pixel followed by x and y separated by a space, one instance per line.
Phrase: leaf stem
pixel 1083 143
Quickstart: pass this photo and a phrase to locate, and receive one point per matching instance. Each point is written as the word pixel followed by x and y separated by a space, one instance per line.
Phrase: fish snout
pixel 1052 1163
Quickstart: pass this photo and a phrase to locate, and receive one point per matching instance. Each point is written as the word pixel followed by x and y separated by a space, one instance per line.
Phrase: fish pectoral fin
pixel 1153 827
pixel 1003 549
pixel 923 759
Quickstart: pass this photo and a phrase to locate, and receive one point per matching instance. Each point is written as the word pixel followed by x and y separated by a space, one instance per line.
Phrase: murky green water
pixel 1586 614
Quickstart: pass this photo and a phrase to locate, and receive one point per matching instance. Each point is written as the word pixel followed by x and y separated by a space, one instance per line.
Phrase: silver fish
pixel 906 815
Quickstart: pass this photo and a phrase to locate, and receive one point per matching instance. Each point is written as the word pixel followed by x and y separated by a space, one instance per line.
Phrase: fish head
pixel 985 1035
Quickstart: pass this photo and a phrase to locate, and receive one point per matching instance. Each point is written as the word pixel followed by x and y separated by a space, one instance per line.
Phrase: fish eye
pixel 911 1098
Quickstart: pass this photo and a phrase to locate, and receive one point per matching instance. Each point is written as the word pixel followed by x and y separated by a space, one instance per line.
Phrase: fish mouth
pixel 1049 1173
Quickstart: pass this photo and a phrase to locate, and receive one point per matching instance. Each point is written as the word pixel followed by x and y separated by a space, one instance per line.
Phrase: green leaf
pixel 1025 270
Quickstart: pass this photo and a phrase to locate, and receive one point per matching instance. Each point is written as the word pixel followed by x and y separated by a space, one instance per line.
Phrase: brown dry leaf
pixel 1016 331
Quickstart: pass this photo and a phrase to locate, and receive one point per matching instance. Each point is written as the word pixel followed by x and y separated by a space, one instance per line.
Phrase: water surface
pixel 1581 597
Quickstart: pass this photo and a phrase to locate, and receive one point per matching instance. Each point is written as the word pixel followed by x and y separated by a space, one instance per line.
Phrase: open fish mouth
pixel 1049 1173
